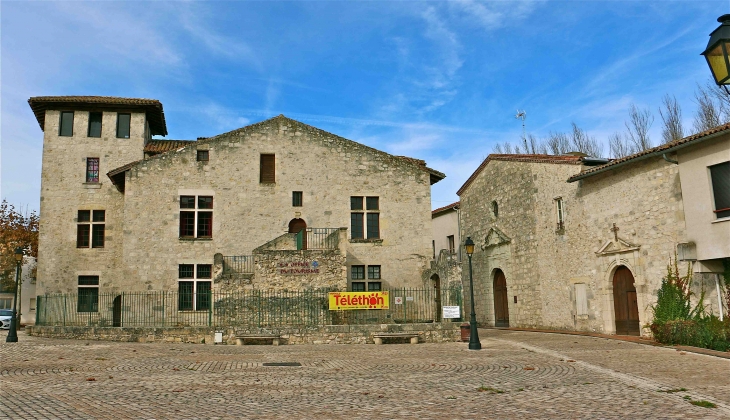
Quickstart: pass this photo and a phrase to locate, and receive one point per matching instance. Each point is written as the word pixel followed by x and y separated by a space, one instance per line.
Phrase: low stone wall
pixel 329 334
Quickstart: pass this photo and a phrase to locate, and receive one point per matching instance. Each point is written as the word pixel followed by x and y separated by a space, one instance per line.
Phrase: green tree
pixel 17 229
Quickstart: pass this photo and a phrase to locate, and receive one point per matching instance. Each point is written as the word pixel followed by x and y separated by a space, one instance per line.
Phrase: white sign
pixel 398 300
pixel 218 337
pixel 451 312
pixel 409 298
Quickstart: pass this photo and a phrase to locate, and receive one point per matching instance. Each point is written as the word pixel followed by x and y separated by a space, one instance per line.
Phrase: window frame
pixel 90 289
pixel 193 212
pixel 91 229
pixel 92 170
pixel 202 156
pixel 297 199
pixel 559 206
pixel 365 217
pixel 61 125
pixel 129 125
pixel 101 124
pixel 366 278
pixel 197 300
pixel 267 168
pixel 715 186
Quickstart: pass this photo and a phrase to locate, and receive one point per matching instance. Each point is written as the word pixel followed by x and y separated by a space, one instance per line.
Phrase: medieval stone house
pixel 277 204
pixel 585 256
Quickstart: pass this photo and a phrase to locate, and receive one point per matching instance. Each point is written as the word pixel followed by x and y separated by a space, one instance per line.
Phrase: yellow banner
pixel 358 300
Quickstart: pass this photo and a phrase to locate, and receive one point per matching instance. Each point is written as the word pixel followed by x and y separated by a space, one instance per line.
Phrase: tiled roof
pixel 445 208
pixel 664 148
pixel 121 169
pixel 161 146
pixel 153 107
pixel 530 158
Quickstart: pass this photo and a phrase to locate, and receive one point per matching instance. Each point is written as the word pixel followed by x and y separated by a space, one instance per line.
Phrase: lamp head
pixel 18 254
pixel 469 246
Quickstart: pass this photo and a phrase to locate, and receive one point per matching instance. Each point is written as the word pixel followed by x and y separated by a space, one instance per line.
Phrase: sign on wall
pixel 298 267
pixel 451 312
pixel 358 300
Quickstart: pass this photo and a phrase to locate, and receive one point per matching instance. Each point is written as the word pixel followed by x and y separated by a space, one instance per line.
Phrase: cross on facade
pixel 615 230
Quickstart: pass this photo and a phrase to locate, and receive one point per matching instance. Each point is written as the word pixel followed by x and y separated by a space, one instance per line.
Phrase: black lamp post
pixel 717 50
pixel 13 333
pixel 474 343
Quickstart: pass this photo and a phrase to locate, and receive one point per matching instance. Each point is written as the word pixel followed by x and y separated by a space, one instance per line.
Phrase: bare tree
pixel 672 118
pixel 708 114
pixel 502 148
pixel 557 143
pixel 580 141
pixel 637 128
pixel 619 146
pixel 722 97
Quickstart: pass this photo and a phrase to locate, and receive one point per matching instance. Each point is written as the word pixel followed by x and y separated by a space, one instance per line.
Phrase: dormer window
pixel 123 121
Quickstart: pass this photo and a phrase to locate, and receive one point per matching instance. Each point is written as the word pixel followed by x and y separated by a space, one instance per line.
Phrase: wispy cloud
pixel 493 15
pixel 221 118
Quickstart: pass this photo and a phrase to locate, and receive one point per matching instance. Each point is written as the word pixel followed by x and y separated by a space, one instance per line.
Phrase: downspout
pixel 664 155
pixel 458 228
pixel 719 295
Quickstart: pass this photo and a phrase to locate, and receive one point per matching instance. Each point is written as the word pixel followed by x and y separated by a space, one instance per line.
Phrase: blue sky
pixel 439 81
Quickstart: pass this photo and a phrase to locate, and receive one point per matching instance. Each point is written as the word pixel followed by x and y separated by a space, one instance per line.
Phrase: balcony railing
pixel 318 238
pixel 238 264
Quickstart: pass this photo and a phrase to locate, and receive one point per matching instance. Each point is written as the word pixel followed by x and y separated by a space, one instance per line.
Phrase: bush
pixel 708 332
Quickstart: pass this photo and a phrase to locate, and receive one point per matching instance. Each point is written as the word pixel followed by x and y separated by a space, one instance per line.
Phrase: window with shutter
pixel 268 169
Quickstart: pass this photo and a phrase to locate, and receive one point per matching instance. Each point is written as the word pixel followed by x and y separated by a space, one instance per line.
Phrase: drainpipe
pixel 719 295
pixel 664 155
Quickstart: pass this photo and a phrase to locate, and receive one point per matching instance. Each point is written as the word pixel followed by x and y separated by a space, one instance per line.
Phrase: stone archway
pixel 501 305
pixel 296 226
pixel 625 304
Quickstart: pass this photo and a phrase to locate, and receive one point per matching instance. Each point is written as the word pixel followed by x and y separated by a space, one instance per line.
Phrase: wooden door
pixel 295 226
pixel 501 308
pixel 625 306
pixel 117 312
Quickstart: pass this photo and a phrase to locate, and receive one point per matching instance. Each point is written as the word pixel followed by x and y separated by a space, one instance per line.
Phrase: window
pixel 88 297
pixel 31 304
pixel 7 302
pixel 196 216
pixel 373 272
pixel 94 124
pixel 495 209
pixel 92 169
pixel 450 239
pixel 202 156
pixel 90 228
pixel 433 248
pixel 66 124
pixel 720 175
pixel 194 287
pixel 374 286
pixel 296 199
pixel 559 214
pixel 267 173
pixel 358 286
pixel 357 272
pixel 367 222
pixel 123 122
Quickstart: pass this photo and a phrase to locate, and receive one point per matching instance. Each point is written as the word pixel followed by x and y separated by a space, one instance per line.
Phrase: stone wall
pixel 298 270
pixel 543 264
pixel 330 334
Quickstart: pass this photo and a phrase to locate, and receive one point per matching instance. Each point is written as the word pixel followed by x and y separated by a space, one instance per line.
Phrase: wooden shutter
pixel 268 169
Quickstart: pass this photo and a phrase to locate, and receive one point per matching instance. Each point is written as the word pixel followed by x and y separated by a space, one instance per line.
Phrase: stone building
pixel 276 205
pixel 445 271
pixel 587 255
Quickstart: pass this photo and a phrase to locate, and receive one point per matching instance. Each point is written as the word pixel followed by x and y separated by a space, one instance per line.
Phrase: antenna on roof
pixel 521 115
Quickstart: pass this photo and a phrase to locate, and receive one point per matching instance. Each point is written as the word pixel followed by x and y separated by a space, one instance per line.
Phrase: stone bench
pixel 378 338
pixel 275 338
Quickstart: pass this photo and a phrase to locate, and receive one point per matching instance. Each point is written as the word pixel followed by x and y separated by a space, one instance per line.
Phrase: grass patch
pixel 490 390
pixel 703 403
pixel 673 390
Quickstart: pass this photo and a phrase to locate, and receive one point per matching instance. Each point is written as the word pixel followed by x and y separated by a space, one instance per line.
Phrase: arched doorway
pixel 436 283
pixel 297 225
pixel 501 308
pixel 625 306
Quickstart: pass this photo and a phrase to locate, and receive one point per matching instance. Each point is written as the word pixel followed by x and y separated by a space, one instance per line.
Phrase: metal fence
pixel 252 308
pixel 318 238
pixel 238 264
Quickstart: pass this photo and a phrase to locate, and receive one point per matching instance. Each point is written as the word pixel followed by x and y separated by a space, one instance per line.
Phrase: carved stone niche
pixel 495 237
pixel 617 247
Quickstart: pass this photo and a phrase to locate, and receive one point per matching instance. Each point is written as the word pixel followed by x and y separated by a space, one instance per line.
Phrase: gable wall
pixel 248 214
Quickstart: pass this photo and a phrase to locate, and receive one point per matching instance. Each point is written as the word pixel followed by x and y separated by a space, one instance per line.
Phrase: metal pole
pixel 474 343
pixel 13 333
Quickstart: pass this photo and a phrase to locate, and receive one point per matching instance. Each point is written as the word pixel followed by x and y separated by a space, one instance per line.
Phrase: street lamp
pixel 13 333
pixel 474 343
pixel 717 50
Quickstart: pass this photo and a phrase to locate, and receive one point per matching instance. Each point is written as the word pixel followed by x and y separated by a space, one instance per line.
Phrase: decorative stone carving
pixel 616 247
pixel 495 237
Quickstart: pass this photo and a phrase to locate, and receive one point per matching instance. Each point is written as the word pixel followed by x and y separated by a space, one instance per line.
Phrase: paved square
pixel 515 375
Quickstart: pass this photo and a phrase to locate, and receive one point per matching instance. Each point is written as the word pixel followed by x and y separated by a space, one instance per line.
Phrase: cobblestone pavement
pixel 515 375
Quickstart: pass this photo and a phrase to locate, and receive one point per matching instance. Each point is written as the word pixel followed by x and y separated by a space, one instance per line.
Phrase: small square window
pixel 202 155
pixel 66 124
pixel 187 202
pixel 185 271
pixel 204 271
pixel 296 199
pixel 374 272
pixel 357 272
pixel 355 203
pixel 205 202
pixel 372 203
pixel 99 215
pixel 84 216
pixel 123 122
pixel 358 286
pixel 94 124
pixel 374 286
pixel 88 280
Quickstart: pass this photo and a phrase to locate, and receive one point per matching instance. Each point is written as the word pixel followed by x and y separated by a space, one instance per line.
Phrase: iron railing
pixel 251 308
pixel 318 238
pixel 238 264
